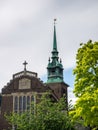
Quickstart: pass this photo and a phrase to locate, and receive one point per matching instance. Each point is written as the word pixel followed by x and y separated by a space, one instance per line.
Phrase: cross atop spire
pixel 25 63
pixel 55 21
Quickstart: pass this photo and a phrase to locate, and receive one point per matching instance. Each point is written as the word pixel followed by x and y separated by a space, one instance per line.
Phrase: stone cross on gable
pixel 25 64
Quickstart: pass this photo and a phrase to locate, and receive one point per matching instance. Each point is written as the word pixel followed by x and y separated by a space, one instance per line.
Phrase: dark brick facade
pixel 59 89
pixel 36 86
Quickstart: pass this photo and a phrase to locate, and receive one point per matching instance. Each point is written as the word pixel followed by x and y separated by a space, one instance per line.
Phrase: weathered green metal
pixel 55 67
pixel 54 40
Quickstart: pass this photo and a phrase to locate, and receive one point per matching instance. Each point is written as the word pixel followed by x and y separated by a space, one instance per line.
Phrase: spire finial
pixel 55 21
pixel 25 63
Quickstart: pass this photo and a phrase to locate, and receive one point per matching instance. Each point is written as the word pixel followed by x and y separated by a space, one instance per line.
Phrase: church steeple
pixel 55 67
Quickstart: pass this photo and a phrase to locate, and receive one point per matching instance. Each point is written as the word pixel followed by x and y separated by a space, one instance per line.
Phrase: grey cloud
pixel 26 32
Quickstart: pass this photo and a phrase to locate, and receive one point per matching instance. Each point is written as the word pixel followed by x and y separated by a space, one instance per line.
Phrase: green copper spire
pixel 54 40
pixel 55 67
pixel 54 51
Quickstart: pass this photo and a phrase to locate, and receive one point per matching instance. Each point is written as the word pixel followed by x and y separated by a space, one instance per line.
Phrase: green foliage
pixel 86 84
pixel 46 115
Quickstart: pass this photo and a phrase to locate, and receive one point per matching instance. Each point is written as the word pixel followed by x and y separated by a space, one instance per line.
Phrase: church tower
pixel 55 67
pixel 55 71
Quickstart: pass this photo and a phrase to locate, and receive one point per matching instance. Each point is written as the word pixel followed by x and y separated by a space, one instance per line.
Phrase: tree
pixel 46 115
pixel 86 84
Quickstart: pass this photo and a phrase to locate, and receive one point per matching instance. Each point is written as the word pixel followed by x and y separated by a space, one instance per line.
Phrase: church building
pixel 25 87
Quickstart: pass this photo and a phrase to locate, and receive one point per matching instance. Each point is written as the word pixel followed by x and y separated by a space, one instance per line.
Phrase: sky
pixel 26 33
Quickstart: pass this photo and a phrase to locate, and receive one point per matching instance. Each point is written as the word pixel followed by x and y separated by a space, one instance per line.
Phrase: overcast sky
pixel 26 33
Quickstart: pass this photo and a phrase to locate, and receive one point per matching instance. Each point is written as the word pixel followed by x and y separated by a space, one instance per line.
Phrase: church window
pixel 16 104
pixel 28 102
pixel 32 104
pixel 53 71
pixel 24 103
pixel 20 103
pixel 32 98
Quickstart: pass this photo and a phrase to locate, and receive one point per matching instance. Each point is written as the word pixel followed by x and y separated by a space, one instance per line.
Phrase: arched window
pixel 24 103
pixel 16 104
pixel 20 103
pixel 28 102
